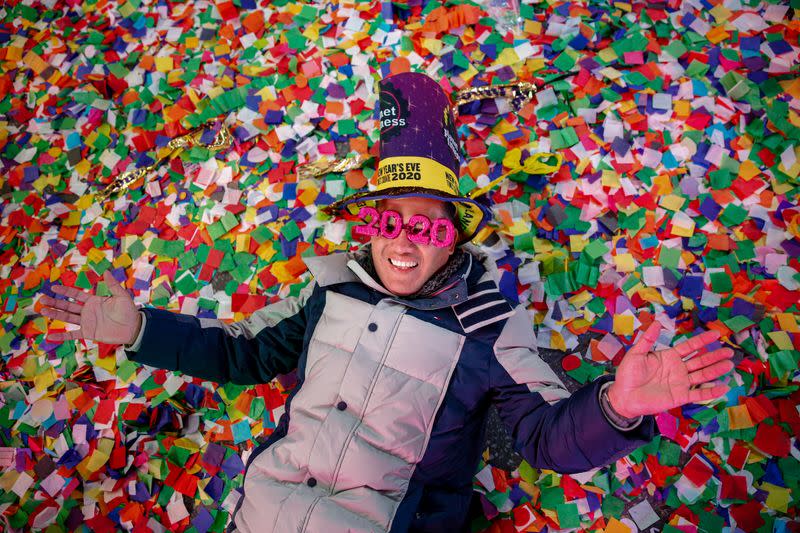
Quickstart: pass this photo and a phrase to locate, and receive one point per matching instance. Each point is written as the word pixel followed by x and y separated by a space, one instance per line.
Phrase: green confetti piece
pixel 290 231
pixel 739 323
pixel 568 516
pixel 308 14
pixel 495 152
pixel 612 506
pixel 6 340
pixel 783 362
pixel 721 282
pixel 552 497
pixel 595 250
pixel 216 230
pixel 696 69
pixel 347 127
pixel 669 257
pixel 564 62
pixel 733 215
pixel 563 138
pixel 676 49
pixel 229 221
pixel 745 251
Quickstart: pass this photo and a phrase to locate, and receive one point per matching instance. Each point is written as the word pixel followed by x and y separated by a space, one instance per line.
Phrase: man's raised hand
pixel 108 319
pixel 649 382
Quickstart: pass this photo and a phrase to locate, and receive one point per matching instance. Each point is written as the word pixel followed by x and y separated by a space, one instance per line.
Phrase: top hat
pixel 419 152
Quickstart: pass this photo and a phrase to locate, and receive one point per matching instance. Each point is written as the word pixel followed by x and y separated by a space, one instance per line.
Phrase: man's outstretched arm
pixel 247 352
pixel 552 429
pixel 251 351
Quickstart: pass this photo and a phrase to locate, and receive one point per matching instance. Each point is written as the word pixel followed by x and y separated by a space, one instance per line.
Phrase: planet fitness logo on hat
pixel 449 132
pixel 394 112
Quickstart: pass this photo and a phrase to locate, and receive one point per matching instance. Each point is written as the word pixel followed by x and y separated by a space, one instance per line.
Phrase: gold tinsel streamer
pixel 519 93
pixel 222 140
pixel 324 166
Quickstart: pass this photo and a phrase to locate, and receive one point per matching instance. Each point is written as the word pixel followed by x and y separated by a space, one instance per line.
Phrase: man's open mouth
pixel 403 265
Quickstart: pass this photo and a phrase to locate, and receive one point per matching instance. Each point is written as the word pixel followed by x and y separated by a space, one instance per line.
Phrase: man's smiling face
pixel 404 266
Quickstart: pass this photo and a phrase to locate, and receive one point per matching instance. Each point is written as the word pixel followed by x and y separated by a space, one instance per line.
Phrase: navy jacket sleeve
pixel 550 428
pixel 255 350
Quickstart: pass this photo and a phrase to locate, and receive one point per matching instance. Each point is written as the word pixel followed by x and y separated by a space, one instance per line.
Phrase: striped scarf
pixel 440 279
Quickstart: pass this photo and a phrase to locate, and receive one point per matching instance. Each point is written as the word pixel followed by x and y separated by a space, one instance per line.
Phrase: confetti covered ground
pixel 677 200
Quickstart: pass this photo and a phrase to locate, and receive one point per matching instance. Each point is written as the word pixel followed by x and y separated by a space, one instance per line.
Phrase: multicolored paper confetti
pixel 676 202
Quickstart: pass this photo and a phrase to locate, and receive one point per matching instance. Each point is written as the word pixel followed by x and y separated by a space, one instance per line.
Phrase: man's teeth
pixel 402 264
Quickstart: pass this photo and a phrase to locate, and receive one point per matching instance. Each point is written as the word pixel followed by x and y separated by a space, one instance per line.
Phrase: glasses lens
pixel 417 228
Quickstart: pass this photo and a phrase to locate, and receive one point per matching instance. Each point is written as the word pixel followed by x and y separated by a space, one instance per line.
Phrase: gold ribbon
pixel 324 166
pixel 518 92
pixel 543 163
pixel 223 139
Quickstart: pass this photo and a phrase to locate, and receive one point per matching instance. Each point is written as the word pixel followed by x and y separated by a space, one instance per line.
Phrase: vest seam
pixel 429 429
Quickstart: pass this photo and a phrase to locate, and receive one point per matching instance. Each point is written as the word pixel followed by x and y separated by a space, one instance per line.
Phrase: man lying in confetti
pixel 400 348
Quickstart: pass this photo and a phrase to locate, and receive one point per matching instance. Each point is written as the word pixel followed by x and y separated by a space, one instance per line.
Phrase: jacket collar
pixel 343 268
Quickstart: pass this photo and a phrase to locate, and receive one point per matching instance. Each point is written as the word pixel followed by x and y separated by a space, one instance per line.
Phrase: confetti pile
pixel 676 202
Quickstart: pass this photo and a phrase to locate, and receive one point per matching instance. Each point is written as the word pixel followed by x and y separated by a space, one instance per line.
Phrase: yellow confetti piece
pixel 739 417
pixel 36 63
pixel 717 34
pixel 242 242
pixel 187 444
pixel 663 184
pixel 615 526
pixel 265 251
pixel 608 55
pixel 623 324
pixel 748 170
pixel 122 261
pixel 683 231
pixel 108 364
pixel 651 294
pixel 781 340
pixel 610 179
pixel 682 108
pixel 164 64
pixel 673 202
pixel 788 322
pixel 433 45
pixel 778 497
pixel 577 243
pixel 44 379
pixel 507 57
pixel 174 76
pixel 720 13
pixel 91 464
pixel 533 27
pixel 470 73
pixel 557 341
pixel 624 263
pixel 520 227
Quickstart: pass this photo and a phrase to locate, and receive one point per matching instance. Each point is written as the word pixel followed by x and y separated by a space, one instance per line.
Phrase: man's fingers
pixel 701 361
pixel 710 393
pixel 64 305
pixel 710 373
pixel 695 343
pixel 71 292
pixel 63 316
pixel 65 336
pixel 645 344
pixel 113 285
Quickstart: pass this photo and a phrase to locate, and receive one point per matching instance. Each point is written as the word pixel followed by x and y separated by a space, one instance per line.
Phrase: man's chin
pixel 402 285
